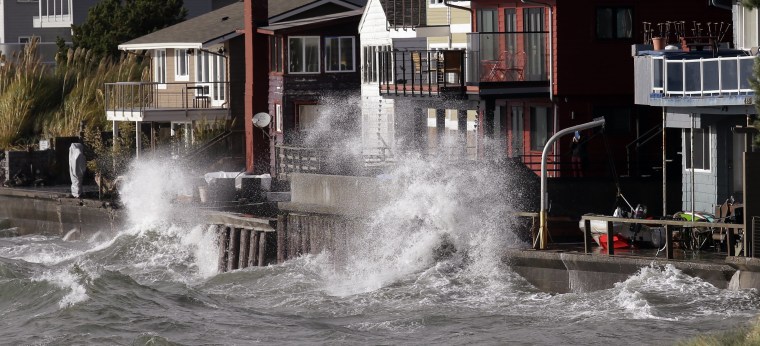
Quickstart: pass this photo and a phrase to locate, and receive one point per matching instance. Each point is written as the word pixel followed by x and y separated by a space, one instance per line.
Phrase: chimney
pixel 256 85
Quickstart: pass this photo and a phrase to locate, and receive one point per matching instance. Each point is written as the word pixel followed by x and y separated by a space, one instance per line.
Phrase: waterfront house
pixel 531 68
pixel 45 21
pixel 427 27
pixel 197 67
pixel 701 87
pixel 314 62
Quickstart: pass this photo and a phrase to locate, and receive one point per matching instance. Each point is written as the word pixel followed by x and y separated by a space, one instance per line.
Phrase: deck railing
pixel 422 72
pixel 702 77
pixel 139 96
pixel 54 14
pixel 507 57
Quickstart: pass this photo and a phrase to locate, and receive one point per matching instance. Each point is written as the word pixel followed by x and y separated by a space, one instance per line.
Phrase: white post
pixel 543 232
pixel 137 139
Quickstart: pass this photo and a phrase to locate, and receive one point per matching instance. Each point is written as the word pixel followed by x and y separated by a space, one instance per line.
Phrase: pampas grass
pixel 39 101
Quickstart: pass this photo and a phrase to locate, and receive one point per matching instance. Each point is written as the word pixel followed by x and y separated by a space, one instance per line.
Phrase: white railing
pixel 702 77
pixel 54 13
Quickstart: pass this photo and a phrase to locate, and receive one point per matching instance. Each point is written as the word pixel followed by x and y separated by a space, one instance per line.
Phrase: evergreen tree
pixel 111 22
pixel 751 3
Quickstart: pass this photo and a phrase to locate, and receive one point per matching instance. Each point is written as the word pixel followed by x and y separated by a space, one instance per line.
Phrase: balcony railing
pixel 294 159
pixel 422 72
pixel 141 96
pixel 54 14
pixel 701 77
pixel 507 57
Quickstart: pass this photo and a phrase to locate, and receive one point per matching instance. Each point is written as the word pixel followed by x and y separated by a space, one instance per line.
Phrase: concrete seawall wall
pixel 53 214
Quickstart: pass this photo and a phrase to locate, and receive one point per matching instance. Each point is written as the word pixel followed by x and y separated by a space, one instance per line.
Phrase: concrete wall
pixel 37 212
pixel 340 195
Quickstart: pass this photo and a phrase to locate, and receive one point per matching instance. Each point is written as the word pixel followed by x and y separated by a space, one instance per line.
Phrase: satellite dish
pixel 261 120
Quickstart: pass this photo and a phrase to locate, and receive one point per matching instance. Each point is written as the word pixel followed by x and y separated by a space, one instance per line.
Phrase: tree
pixel 751 3
pixel 111 22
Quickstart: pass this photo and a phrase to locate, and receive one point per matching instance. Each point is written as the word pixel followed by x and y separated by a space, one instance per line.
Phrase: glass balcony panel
pixel 710 76
pixel 507 57
pixel 729 74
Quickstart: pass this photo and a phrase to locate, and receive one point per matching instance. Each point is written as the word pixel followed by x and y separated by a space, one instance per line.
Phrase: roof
pixel 202 31
pixel 283 9
pixel 315 21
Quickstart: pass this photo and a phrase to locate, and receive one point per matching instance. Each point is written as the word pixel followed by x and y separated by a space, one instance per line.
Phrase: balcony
pixel 693 79
pixel 167 102
pixel 422 72
pixel 508 60
pixel 54 14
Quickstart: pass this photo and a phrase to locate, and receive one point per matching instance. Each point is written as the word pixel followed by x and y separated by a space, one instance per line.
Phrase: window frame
pixel 706 141
pixel 159 74
pixel 304 55
pixel 185 58
pixel 534 146
pixel 614 35
pixel 339 40
pixel 276 59
pixel 277 118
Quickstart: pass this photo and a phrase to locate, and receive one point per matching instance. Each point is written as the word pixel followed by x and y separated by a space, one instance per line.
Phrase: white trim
pixel 177 76
pixel 707 134
pixel 310 6
pixel 461 28
pixel 160 45
pixel 155 68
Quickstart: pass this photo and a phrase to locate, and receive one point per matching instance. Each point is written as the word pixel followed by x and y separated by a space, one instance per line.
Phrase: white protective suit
pixel 77 166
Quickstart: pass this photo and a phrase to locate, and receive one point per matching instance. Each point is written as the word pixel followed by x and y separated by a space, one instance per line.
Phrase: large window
pixel 371 56
pixel 541 127
pixel 275 53
pixel 159 72
pixel 211 73
pixel 303 54
pixel 339 54
pixel 181 65
pixel 701 149
pixel 307 116
pixel 614 22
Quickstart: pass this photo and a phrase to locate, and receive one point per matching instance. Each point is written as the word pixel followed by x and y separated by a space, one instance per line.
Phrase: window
pixel 701 148
pixel 371 56
pixel 541 127
pixel 488 22
pixel 614 22
pixel 278 117
pixel 307 116
pixel 211 70
pixel 159 74
pixel 303 54
pixel 27 39
pixel 275 53
pixel 435 3
pixel 517 131
pixel 339 54
pixel 181 65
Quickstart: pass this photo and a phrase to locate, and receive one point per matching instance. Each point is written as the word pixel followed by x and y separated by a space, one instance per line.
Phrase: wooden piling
pixel 222 234
pixel 245 239
pixel 587 239
pixel 282 238
pixel 233 250
pixel 253 259
pixel 262 249
pixel 305 233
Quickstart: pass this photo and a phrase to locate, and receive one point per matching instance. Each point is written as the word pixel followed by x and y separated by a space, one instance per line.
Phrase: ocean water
pixel 155 281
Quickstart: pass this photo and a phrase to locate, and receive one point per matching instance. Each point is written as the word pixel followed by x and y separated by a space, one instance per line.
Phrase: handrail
pixel 665 223
pixel 138 96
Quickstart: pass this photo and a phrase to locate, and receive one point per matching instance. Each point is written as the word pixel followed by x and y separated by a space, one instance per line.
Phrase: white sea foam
pixel 67 280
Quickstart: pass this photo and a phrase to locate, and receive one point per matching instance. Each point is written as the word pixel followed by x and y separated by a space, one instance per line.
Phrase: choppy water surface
pixel 156 283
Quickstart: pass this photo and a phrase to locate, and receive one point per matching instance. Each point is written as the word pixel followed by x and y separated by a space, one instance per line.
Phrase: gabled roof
pixel 199 32
pixel 280 10
pixel 311 22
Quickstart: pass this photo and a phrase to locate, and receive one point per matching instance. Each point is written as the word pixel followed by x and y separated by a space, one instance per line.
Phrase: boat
pixel 625 235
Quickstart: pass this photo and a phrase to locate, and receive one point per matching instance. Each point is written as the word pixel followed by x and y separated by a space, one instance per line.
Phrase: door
pixel 534 44
pixel 516 131
pixel 211 75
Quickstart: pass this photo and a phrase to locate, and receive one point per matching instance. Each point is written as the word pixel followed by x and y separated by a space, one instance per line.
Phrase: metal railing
pixel 54 13
pixel 702 77
pixel 507 57
pixel 139 96
pixel 422 72
pixel 669 227
pixel 294 159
